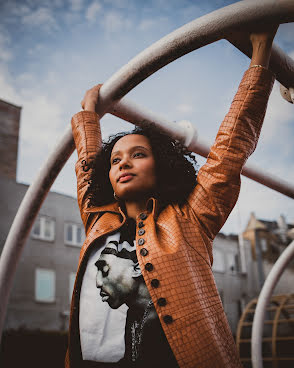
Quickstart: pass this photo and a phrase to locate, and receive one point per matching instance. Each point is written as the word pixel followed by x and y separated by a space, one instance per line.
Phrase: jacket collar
pixel 111 207
pixel 152 207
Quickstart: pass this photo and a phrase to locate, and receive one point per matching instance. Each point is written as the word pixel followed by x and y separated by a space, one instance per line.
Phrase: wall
pixel 9 130
pixel 23 310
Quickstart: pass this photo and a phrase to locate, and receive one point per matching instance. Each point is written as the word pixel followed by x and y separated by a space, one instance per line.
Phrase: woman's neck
pixel 134 208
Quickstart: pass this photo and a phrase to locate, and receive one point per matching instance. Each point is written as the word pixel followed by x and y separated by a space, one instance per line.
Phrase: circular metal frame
pixel 263 300
pixel 278 305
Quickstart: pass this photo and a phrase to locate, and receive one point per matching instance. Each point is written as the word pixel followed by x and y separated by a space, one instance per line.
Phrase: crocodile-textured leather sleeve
pixel 219 179
pixel 87 137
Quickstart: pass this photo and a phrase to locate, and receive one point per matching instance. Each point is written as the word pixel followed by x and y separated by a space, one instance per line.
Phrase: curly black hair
pixel 176 168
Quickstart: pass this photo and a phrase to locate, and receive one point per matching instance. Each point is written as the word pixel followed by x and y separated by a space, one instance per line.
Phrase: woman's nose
pixel 125 163
pixel 99 280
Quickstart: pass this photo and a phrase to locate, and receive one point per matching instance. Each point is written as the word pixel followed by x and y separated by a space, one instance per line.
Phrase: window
pixel 44 228
pixel 45 285
pixel 263 244
pixel 74 234
pixel 218 261
pixel 72 277
pixel 232 265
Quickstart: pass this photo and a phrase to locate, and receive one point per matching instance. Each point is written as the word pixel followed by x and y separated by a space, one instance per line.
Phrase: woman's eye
pixel 115 160
pixel 139 154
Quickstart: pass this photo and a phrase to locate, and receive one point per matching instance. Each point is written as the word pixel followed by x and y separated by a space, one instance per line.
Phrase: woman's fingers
pixel 91 97
pixel 266 34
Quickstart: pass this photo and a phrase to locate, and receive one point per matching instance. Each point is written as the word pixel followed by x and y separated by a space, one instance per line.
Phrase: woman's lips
pixel 125 178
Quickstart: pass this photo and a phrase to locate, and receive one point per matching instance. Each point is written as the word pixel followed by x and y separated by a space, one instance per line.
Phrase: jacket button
pixel 149 267
pixel 143 252
pixel 141 232
pixel 155 283
pixel 168 319
pixel 143 216
pixel 141 241
pixel 141 224
pixel 161 302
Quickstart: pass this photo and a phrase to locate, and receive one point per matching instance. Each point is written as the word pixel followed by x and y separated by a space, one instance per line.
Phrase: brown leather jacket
pixel 178 240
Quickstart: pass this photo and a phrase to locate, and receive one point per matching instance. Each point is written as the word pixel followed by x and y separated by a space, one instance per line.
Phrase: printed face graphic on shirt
pixel 115 279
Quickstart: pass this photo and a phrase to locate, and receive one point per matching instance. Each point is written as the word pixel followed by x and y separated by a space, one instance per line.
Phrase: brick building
pixel 9 131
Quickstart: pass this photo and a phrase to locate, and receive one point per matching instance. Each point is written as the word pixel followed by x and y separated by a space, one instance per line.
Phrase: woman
pixel 161 307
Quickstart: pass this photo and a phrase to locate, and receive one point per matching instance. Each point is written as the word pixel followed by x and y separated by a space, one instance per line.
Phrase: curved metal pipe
pixel 200 32
pixel 196 34
pixel 264 297
pixel 136 114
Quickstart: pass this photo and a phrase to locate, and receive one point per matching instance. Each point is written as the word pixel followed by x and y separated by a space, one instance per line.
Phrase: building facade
pixel 40 297
pixel 9 131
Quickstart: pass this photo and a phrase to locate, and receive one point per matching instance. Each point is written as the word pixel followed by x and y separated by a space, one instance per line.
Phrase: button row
pixel 149 267
pixel 144 252
pixel 141 241
pixel 168 319
pixel 161 302
pixel 143 216
pixel 155 283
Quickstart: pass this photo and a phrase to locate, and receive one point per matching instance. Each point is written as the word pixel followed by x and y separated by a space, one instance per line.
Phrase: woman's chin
pixel 133 196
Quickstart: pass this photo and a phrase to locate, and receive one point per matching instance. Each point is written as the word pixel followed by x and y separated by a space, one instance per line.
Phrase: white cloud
pixel 278 121
pixel 41 116
pixel 36 49
pixel 76 5
pixel 115 22
pixel 7 92
pixel 153 24
pixel 93 11
pixel 185 108
pixel 255 198
pixel 18 10
pixel 147 24
pixel 6 52
pixel 118 3
pixel 40 18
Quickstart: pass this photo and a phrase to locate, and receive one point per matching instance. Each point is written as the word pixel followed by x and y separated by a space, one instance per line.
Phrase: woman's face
pixel 132 171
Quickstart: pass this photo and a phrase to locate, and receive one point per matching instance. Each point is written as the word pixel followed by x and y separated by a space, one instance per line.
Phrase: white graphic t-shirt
pixel 118 322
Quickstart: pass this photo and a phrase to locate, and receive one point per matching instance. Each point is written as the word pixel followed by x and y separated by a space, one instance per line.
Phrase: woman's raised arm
pixel 219 179
pixel 87 137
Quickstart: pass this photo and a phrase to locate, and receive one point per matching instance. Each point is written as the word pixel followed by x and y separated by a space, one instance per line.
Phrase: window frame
pixel 49 300
pixel 71 284
pixel 75 228
pixel 222 257
pixel 42 221
pixel 230 256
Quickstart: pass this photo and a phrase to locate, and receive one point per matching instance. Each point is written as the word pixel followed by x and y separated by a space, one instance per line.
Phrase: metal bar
pixel 291 306
pixel 268 359
pixel 202 31
pixel 275 338
pixel 264 297
pixel 241 323
pixel 136 114
pixel 270 322
pixel 269 339
pixel 192 36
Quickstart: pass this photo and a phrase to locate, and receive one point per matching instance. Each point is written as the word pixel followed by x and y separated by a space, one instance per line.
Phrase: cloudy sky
pixel 51 52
